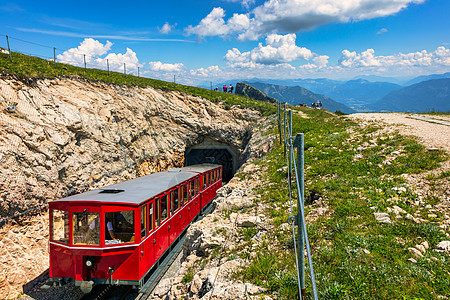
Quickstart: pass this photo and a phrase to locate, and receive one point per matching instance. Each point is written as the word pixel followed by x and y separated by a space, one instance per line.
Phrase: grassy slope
pixel 350 186
pixel 29 66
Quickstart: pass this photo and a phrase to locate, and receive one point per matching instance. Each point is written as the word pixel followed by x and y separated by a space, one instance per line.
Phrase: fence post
pixel 107 64
pixel 54 56
pixel 9 49
pixel 299 141
pixel 284 120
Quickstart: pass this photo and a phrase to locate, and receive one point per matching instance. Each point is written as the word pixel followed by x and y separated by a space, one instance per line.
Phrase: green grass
pixel 31 68
pixel 354 169
pixel 354 256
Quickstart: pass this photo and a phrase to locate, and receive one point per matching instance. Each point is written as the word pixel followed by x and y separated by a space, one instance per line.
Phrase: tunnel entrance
pixel 213 156
pixel 214 152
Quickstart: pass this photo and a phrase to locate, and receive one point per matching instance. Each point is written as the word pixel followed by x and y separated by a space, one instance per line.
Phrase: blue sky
pixel 201 41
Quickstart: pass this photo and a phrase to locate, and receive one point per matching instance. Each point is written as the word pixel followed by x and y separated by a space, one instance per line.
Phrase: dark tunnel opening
pixel 213 156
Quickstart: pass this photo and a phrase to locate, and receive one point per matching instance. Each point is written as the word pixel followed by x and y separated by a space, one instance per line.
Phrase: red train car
pixel 116 234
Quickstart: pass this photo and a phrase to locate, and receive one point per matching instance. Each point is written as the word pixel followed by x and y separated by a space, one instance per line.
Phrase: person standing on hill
pixel 225 88
pixel 230 89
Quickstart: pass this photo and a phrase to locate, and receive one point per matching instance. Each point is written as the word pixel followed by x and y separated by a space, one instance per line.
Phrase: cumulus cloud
pixel 116 61
pixel 367 59
pixel 158 66
pixel 88 50
pixel 294 15
pixel 215 25
pixel 91 50
pixel 166 28
pixel 209 72
pixel 279 49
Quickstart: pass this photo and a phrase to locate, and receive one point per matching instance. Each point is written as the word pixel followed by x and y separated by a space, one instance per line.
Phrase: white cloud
pixel 367 59
pixel 117 60
pixel 215 25
pixel 279 49
pixel 382 30
pixel 209 72
pixel 88 49
pixel 158 66
pixel 292 16
pixel 166 28
pixel 91 49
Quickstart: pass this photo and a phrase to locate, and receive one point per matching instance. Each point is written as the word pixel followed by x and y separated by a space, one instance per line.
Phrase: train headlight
pixel 89 262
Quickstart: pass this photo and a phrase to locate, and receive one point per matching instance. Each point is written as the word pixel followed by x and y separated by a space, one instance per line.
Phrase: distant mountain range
pixel 426 96
pixel 296 95
pixel 426 78
pixel 363 93
pixel 356 94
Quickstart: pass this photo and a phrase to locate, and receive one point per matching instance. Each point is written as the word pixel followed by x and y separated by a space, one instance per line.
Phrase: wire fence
pixel 73 56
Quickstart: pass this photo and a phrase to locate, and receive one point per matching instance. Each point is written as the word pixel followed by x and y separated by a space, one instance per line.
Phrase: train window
pixel 157 213
pixel 143 221
pixel 192 188
pixel 86 228
pixel 119 227
pixel 164 206
pixel 151 218
pixel 185 197
pixel 60 226
pixel 175 200
pixel 197 185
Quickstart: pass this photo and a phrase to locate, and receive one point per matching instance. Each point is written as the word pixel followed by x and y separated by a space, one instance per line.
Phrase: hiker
pixel 225 88
pixel 230 89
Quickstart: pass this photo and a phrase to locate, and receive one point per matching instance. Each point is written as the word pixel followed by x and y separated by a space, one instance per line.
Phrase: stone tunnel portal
pixel 210 151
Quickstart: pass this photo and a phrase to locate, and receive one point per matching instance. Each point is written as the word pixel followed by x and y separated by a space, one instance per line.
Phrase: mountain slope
pixel 431 95
pixel 426 78
pixel 295 95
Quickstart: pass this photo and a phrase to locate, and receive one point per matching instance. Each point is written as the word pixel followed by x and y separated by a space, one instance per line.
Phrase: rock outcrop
pixel 62 136
pixel 67 135
pixel 247 90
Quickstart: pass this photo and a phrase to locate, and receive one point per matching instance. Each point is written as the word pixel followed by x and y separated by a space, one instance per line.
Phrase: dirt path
pixel 432 135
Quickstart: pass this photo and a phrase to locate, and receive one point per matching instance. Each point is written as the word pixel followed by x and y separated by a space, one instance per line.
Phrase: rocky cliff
pixel 67 135
pixel 61 136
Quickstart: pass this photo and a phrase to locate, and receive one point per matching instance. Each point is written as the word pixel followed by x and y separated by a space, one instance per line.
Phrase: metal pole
pixel 173 79
pixel 138 71
pixel 301 207
pixel 308 250
pixel 284 119
pixel 124 69
pixel 84 58
pixel 54 56
pixel 290 135
pixel 9 49
pixel 211 88
pixel 107 64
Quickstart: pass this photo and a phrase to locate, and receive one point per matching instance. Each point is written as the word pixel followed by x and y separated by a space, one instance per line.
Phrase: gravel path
pixel 432 135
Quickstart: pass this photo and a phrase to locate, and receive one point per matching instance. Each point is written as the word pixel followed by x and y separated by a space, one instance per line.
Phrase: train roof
pixel 138 190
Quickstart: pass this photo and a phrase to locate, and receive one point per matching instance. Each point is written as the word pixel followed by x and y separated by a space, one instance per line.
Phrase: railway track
pixel 111 292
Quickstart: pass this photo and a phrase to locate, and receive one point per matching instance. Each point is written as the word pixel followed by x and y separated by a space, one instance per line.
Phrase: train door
pixel 163 232
pixel 144 255
pixel 174 222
